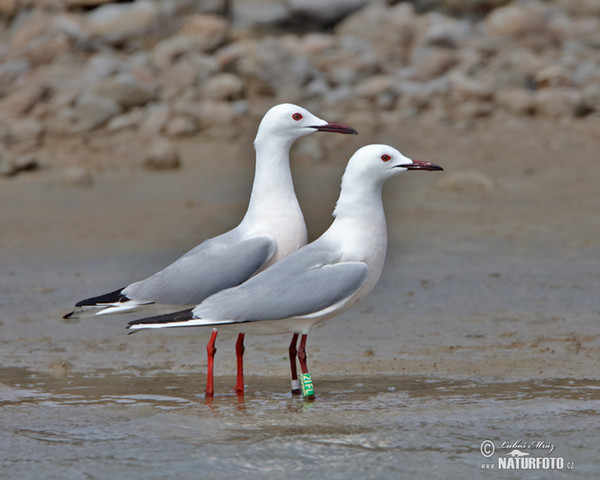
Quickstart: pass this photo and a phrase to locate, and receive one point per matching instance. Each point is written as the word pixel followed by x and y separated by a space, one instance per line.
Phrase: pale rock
pixel 99 66
pixel 115 23
pixel 26 132
pixel 515 20
pixel 181 126
pixel 270 65
pixel 23 98
pixel 467 111
pixel 559 102
pixel 7 167
pixel 8 8
pixel 92 111
pixel 207 32
pixel 323 13
pixel 28 27
pixel 77 176
pixel 380 90
pixel 316 43
pixel 223 86
pixel 178 77
pixel 414 97
pixel 464 88
pixel 553 76
pixel 591 96
pixel 389 30
pixel 26 163
pixel 218 114
pixel 169 50
pixel 468 181
pixel 516 101
pixel 126 89
pixel 11 71
pixel 431 62
pixel 155 119
pixel 131 119
pixel 161 155
pixel 46 50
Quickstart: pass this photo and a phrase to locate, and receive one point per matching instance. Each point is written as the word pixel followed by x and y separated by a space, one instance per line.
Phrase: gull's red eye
pixel 297 116
pixel 385 157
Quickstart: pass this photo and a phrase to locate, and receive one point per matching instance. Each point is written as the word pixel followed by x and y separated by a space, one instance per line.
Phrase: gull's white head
pixel 290 122
pixel 377 162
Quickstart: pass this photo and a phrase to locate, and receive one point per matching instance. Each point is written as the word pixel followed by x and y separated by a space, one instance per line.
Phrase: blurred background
pixel 126 134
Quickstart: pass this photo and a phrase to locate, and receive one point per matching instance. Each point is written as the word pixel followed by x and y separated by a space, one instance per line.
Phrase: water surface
pixel 130 427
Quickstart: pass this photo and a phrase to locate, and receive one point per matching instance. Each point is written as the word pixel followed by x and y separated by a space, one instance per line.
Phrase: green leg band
pixel 307 384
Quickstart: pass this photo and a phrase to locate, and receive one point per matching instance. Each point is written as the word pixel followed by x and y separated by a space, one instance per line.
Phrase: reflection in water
pixel 156 426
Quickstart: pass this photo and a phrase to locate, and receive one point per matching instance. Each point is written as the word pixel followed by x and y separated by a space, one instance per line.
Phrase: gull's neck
pixel 359 226
pixel 273 188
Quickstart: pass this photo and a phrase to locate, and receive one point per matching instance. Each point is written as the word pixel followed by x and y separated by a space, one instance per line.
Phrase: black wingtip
pixel 180 316
pixel 111 297
pixel 68 315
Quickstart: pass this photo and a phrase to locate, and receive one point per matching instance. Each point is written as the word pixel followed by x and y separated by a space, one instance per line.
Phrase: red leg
pixel 211 350
pixel 293 353
pixel 239 352
pixel 302 359
pixel 302 354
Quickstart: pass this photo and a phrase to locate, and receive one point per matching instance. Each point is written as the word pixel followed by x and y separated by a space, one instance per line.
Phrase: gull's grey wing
pixel 284 291
pixel 214 265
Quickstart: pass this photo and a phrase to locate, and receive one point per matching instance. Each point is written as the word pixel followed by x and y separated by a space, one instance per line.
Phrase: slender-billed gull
pixel 318 281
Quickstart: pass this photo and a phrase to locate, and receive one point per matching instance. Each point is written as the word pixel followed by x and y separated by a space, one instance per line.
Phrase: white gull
pixel 317 281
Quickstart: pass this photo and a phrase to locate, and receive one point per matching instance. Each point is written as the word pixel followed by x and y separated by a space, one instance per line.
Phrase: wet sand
pixel 491 284
pixel 500 283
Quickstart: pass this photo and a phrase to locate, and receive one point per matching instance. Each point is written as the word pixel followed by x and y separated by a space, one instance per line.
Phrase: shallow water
pixel 119 426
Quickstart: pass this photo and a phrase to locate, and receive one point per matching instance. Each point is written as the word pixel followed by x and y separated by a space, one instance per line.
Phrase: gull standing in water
pixel 320 280
pixel 272 228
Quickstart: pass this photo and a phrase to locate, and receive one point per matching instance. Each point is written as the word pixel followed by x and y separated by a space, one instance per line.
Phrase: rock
pixel 92 111
pixel 26 163
pixel 323 13
pixel 559 102
pixel 118 22
pixel 379 90
pixel 178 77
pixel 23 98
pixel 316 43
pixel 8 8
pixel 26 132
pixel 431 62
pixel 464 88
pixel 131 119
pixel 155 119
pixel 10 72
pixel 7 167
pixel 181 126
pixel 223 86
pixel 553 76
pixel 161 155
pixel 126 89
pixel 77 176
pixel 219 119
pixel 29 27
pixel 468 181
pixel 515 20
pixel 206 32
pixel 398 23
pixel 516 100
pixel 591 96
pixel 167 51
pixel 471 7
